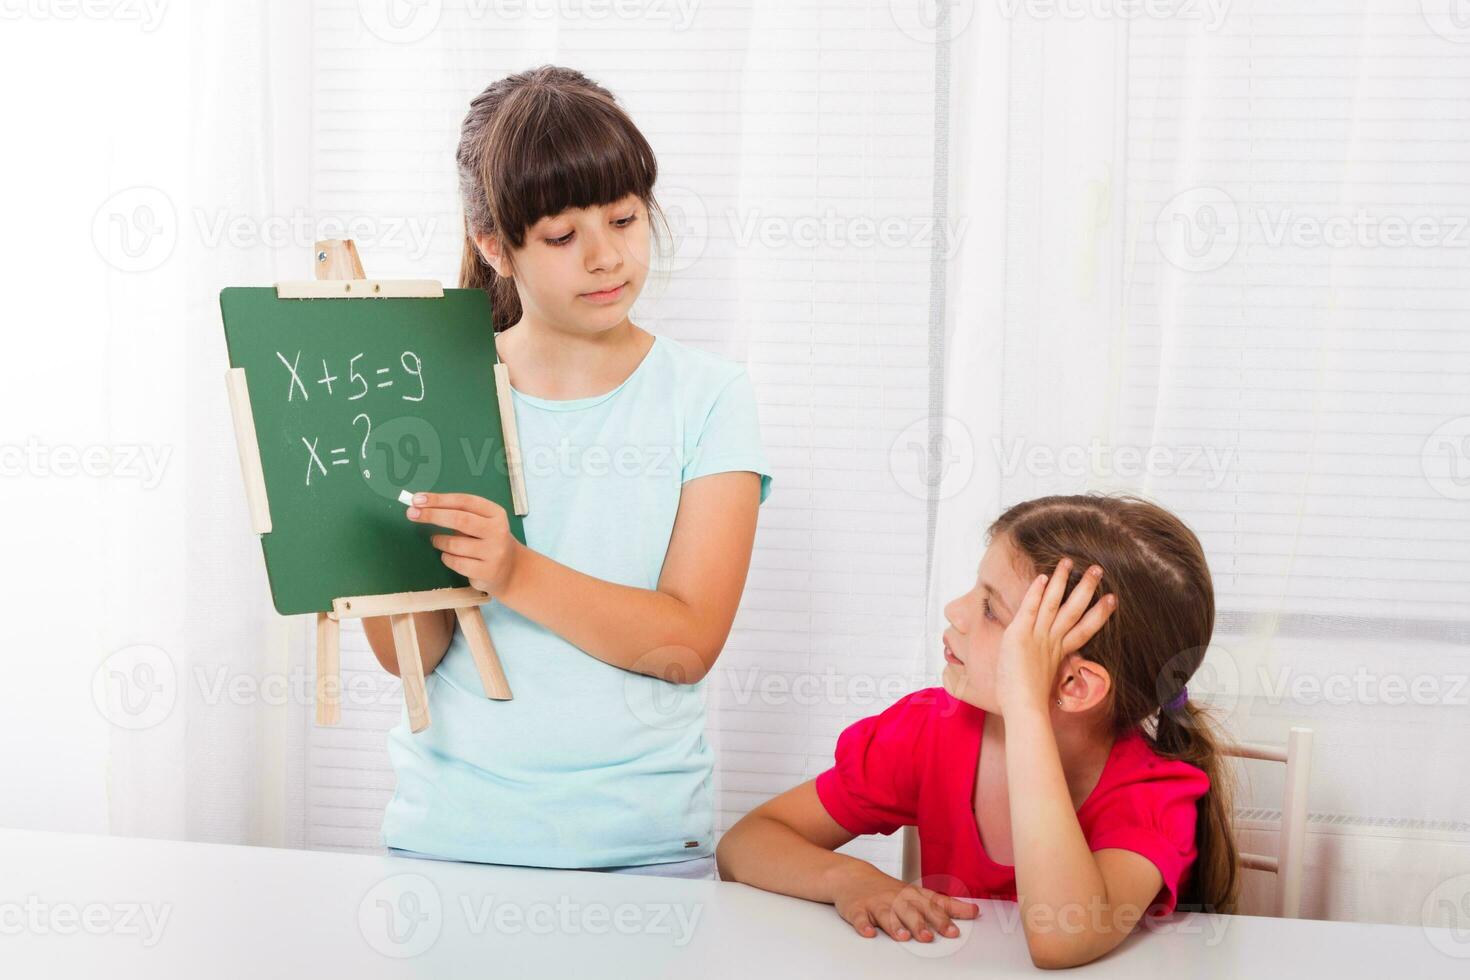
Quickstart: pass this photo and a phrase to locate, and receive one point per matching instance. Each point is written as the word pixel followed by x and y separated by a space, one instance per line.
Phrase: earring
pixel 1059 702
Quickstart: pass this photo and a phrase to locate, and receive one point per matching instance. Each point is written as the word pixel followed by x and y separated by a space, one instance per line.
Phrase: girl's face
pixel 581 270
pixel 976 621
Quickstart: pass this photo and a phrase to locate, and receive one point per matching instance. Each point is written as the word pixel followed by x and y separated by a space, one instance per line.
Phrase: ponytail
pixel 1187 734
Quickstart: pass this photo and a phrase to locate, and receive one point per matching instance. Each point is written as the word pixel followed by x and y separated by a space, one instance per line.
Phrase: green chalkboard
pixel 355 400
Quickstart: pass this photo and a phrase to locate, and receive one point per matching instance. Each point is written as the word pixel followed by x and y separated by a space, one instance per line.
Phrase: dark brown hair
pixel 1151 645
pixel 532 145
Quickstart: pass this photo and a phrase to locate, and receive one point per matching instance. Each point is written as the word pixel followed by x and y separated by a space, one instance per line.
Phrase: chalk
pixel 404 497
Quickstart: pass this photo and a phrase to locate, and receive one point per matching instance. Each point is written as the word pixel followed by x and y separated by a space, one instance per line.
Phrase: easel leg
pixel 487 661
pixel 411 670
pixel 328 671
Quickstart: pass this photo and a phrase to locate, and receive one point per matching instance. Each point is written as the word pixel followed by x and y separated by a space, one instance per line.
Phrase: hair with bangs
pixel 533 145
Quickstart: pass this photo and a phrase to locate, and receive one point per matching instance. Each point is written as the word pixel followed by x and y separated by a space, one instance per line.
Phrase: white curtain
pixel 1220 258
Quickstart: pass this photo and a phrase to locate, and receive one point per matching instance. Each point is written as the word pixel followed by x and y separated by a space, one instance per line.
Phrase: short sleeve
pixel 1154 816
pixel 873 786
pixel 730 439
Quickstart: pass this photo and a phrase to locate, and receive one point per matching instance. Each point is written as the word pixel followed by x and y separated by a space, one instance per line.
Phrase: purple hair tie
pixel 1179 700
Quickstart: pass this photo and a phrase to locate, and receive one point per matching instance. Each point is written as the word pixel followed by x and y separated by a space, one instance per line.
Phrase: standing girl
pixel 644 472
pixel 1062 765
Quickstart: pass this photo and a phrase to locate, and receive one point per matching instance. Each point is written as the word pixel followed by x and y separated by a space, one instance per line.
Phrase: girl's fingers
pixel 862 923
pixel 455 544
pixel 1090 623
pixel 468 567
pixel 913 915
pixel 458 520
pixel 1026 613
pixel 462 501
pixel 889 922
pixel 1076 603
pixel 1052 597
pixel 943 924
pixel 959 908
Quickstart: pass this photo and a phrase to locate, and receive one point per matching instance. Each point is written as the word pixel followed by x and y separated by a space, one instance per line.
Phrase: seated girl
pixel 1061 765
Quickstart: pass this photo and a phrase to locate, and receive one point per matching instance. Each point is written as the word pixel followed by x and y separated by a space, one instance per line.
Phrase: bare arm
pixel 674 632
pixel 1076 905
pixel 435 630
pixel 788 845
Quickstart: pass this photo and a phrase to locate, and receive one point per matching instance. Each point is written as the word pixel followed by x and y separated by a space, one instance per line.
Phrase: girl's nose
pixel 602 253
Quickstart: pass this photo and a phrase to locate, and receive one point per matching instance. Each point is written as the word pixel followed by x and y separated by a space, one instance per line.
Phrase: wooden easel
pixel 339 275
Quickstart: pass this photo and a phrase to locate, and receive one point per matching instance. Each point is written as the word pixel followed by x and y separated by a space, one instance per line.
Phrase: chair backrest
pixel 1286 865
pixel 1288 862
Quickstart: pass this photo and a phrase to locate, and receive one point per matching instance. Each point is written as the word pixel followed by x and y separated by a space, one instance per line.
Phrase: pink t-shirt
pixel 915 764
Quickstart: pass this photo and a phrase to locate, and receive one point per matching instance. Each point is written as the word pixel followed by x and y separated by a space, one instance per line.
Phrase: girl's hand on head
pixel 877 901
pixel 1045 632
pixel 484 551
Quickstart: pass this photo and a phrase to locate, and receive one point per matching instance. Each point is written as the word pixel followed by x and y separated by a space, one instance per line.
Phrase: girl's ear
pixel 492 252
pixel 1082 684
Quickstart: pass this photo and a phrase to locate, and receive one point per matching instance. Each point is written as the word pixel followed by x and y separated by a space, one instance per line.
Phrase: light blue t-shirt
pixel 589 765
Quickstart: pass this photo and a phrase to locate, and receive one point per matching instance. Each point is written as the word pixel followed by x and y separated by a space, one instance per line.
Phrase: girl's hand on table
pixel 877 901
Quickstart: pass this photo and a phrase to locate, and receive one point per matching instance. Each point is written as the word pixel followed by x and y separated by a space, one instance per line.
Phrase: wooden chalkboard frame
pixel 339 275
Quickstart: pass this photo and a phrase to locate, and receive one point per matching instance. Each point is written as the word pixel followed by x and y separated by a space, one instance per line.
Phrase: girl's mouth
pixel 606 295
pixel 949 655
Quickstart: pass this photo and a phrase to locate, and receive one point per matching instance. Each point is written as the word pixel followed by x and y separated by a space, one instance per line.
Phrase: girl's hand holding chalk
pixel 484 551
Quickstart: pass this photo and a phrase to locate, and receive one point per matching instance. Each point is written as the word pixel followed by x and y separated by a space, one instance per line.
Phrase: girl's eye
pixel 988 614
pixel 563 240
pixel 625 222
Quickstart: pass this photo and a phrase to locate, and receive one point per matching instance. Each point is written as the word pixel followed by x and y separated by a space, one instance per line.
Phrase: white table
pixel 90 906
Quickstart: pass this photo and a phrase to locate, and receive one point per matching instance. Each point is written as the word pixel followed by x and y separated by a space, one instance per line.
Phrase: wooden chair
pixel 1286 865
